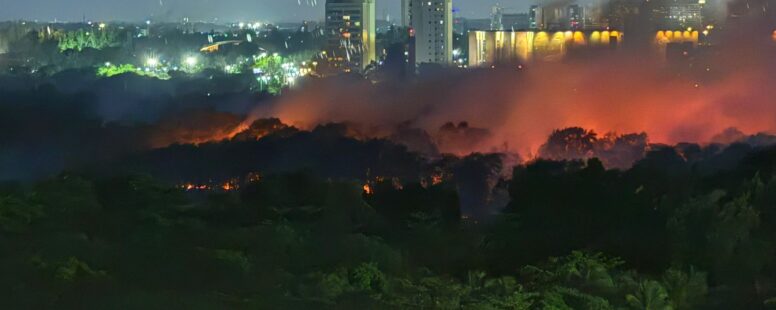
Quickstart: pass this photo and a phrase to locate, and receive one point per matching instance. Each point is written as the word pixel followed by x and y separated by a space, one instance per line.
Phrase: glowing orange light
pixel 579 38
pixel 595 37
pixel 436 179
pixel 194 187
pixel 368 189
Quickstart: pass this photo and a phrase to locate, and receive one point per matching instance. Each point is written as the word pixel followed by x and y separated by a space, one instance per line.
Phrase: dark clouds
pixel 270 10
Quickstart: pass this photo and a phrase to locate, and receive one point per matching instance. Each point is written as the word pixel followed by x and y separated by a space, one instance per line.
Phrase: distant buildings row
pixel 351 35
pixel 350 28
pixel 494 47
pixel 554 15
pixel 548 29
pixel 488 48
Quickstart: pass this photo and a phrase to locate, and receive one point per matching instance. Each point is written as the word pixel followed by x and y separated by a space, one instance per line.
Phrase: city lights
pixel 191 61
pixel 403 154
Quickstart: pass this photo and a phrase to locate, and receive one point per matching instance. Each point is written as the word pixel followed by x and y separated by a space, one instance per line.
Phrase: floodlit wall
pixel 490 47
pixel 663 38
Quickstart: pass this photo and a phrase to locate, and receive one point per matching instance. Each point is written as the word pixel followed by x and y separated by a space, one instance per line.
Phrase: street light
pixel 191 61
pixel 152 62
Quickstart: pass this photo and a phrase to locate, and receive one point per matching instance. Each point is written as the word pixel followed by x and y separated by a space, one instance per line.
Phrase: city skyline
pixel 208 10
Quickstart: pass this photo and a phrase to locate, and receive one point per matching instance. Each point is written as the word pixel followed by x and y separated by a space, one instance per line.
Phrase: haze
pixel 226 10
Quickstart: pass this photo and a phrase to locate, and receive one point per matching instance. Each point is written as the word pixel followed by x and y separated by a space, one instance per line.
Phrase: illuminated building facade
pixel 555 17
pixel 619 14
pixel 351 34
pixel 508 21
pixel 491 47
pixel 405 13
pixel 594 17
pixel 576 17
pixel 496 16
pixel 663 38
pixel 558 17
pixel 536 17
pixel 681 41
pixel 682 15
pixel 432 22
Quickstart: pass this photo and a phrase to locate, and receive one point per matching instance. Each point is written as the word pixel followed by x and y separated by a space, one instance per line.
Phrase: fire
pixel 368 189
pixel 522 110
pixel 240 128
pixel 194 187
pixel 433 180
pixel 253 177
pixel 436 179
pixel 219 135
pixel 228 187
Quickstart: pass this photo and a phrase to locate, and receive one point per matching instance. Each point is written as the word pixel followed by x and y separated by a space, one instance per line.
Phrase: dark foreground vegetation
pixel 669 233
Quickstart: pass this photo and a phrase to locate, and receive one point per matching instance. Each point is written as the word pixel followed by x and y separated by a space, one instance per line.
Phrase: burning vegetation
pixel 489 188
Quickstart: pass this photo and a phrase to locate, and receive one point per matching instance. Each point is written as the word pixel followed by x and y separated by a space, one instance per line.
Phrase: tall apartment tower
pixel 405 13
pixel 536 17
pixel 351 34
pixel 432 23
pixel 576 16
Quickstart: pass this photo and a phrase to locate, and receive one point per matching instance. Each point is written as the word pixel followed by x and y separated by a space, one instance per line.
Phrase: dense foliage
pixel 82 39
pixel 270 73
pixel 665 234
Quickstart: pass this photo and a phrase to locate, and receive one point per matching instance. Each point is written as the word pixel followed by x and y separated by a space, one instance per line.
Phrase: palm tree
pixel 651 295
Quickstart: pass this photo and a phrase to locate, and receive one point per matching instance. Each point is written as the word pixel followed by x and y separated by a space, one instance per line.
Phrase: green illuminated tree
pixel 113 70
pixel 81 39
pixel 271 75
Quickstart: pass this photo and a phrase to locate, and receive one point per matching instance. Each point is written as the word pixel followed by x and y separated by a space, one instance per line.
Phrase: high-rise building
pixel 515 21
pixel 762 12
pixel 594 17
pixel 351 34
pixel 555 16
pixel 576 16
pixel 432 23
pixel 681 14
pixel 620 14
pixel 405 13
pixel 536 17
pixel 496 17
pixel 670 14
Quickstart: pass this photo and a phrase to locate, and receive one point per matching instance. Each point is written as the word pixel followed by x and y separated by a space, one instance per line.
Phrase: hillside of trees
pixel 669 233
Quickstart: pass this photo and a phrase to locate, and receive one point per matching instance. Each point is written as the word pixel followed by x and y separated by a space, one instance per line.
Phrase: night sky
pixel 224 10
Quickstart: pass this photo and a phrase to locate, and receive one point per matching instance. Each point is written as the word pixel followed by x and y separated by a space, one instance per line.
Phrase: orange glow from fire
pixel 228 187
pixel 194 187
pixel 606 94
pixel 437 179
